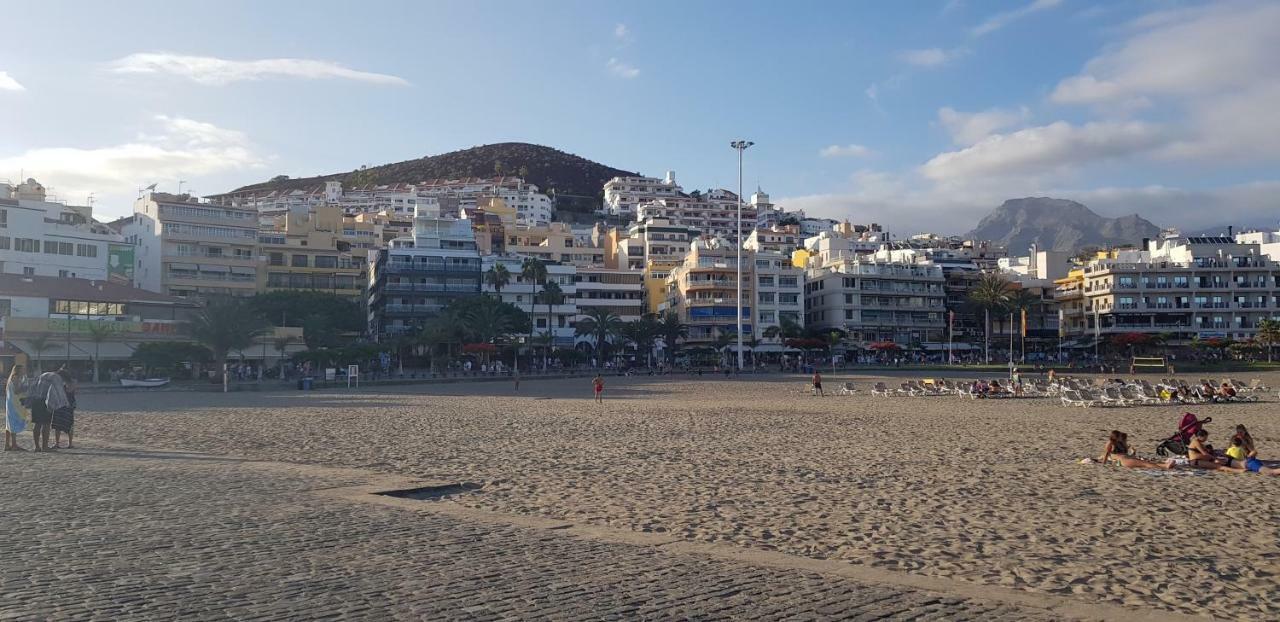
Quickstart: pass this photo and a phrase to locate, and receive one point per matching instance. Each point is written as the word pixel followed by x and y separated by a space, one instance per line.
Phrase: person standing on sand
pixel 17 417
pixel 515 375
pixel 597 384
pixel 64 419
pixel 47 397
pixel 817 384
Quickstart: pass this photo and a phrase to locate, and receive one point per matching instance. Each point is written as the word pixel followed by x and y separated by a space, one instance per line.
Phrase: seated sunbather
pixel 1238 457
pixel 1119 452
pixel 1202 456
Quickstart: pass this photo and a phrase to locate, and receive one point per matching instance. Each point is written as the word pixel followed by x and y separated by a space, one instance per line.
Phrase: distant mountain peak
pixel 1058 225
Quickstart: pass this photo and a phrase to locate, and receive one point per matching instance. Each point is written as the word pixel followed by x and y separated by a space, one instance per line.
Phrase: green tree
pixel 98 333
pixel 168 355
pixel 551 296
pixel 291 308
pixel 318 332
pixel 833 339
pixel 534 271
pixel 497 277
pixel 601 325
pixel 672 330
pixel 1269 334
pixel 281 344
pixel 642 334
pixel 227 324
pixel 40 344
pixel 990 293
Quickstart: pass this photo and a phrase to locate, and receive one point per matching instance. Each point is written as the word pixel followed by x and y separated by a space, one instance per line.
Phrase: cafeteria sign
pixel 120 264
pixel 60 325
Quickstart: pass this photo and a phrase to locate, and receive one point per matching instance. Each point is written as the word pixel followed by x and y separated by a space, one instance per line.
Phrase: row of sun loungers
pixel 1144 393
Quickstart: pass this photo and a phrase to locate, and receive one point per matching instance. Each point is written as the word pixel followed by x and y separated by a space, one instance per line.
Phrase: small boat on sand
pixel 148 382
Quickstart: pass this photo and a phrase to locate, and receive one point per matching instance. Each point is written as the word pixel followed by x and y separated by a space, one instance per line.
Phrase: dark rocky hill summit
pixel 1058 225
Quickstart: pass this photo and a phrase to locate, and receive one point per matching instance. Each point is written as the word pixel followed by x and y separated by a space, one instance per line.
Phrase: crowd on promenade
pixel 41 402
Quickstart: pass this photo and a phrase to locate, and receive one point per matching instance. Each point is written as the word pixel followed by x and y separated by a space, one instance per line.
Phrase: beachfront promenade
pixel 676 499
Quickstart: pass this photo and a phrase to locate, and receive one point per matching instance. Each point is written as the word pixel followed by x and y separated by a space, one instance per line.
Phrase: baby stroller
pixel 1177 444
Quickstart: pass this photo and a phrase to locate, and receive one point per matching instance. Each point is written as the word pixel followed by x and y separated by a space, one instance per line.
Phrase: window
pixel 788 299
pixel 213 251
pixel 28 270
pixel 86 250
pixel 4 243
pixel 6 307
pixel 276 259
pixel 787 281
pixel 64 274
pixel 4 219
pixel 299 261
pixel 50 247
pixel 326 261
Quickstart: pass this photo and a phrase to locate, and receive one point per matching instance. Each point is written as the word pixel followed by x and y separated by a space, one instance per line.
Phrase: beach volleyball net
pixel 1155 364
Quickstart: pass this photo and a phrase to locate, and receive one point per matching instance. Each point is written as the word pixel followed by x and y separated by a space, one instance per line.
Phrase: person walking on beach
pixel 597 384
pixel 817 384
pixel 47 397
pixel 515 376
pixel 64 419
pixel 17 417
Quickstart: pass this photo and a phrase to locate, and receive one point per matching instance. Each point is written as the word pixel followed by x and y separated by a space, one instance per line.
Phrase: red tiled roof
pixel 61 288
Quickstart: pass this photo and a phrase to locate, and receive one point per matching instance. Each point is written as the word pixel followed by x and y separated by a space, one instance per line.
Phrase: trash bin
pixel 306 383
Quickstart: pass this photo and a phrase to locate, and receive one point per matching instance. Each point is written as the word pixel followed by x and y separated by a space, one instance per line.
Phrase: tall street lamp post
pixel 740 146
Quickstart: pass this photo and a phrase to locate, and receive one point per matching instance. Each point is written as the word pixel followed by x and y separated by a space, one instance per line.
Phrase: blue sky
pixel 919 115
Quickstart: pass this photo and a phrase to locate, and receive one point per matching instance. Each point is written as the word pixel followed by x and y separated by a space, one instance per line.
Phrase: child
pixel 597 384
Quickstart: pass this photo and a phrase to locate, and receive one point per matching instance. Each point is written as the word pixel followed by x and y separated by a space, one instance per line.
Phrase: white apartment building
pixel 443 196
pixel 779 295
pixel 652 240
pixel 560 318
pixel 622 195
pixel 619 291
pixel 877 297
pixel 1189 287
pixel 783 239
pixel 44 238
pixel 412 280
pixel 187 248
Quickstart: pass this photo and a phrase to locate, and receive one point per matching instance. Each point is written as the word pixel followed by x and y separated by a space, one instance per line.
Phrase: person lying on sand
pixel 1238 457
pixel 1118 452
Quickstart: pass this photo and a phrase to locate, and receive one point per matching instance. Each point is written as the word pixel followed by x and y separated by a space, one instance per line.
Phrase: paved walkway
pixel 122 534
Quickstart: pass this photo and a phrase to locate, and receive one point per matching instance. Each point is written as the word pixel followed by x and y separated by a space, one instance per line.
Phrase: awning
pixel 80 351
pixel 242 270
pixel 212 268
pixel 183 266
pixel 942 347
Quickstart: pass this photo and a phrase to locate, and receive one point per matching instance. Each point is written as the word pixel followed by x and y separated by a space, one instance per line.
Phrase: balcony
pixel 403 309
pixel 712 284
pixel 430 287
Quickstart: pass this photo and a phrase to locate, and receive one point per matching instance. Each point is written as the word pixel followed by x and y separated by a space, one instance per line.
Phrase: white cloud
pixel 1056 148
pixel 220 71
pixel 180 148
pixel 622 33
pixel 1000 20
pixel 967 128
pixel 845 151
pixel 1195 52
pixel 7 83
pixel 931 57
pixel 1215 63
pixel 621 69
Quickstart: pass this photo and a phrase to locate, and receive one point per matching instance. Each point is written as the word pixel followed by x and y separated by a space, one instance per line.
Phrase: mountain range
pixel 550 169
pixel 1058 225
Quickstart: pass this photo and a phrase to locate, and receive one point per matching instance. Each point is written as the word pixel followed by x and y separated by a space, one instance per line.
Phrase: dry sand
pixel 985 491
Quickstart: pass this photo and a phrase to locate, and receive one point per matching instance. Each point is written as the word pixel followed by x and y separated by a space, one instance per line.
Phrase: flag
pixel 16 416
pixel 1024 322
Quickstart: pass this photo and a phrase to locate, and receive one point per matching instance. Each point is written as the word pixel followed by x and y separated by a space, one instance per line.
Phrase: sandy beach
pixel 989 492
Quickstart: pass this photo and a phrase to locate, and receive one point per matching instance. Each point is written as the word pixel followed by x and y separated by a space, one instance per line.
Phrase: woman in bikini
pixel 1201 455
pixel 1243 454
pixel 1119 452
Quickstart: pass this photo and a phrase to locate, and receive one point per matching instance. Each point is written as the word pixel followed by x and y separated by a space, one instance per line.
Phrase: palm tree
pixel 1020 300
pixel 989 294
pixel 281 344
pixel 833 340
pixel 497 277
pixel 227 324
pixel 1269 334
pixel 601 325
pixel 39 344
pixel 488 322
pixel 534 271
pixel 642 333
pixel 98 333
pixel 551 295
pixel 672 330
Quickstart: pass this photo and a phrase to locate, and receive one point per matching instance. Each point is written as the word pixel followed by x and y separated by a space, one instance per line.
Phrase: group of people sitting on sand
pixel 984 389
pixel 1222 394
pixel 1240 457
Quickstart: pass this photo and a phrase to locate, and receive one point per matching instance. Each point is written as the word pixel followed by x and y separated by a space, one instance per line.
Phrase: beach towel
pixel 16 415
